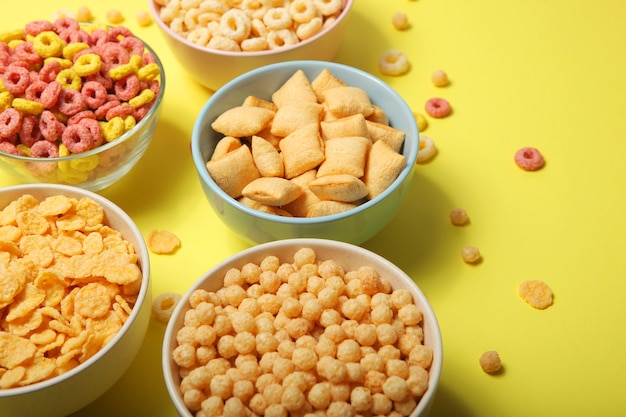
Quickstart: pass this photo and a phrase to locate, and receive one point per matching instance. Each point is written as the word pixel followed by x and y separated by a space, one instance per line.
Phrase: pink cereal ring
pixel 94 94
pixel 50 71
pixel 529 159
pixel 113 54
pixel 34 90
pixel 100 78
pixel 126 87
pixel 118 33
pixel 66 23
pixel 44 149
pixel 74 36
pixel 438 107
pixel 77 138
pixel 10 122
pixel 26 52
pixel 122 110
pixel 101 111
pixel 29 131
pixel 51 128
pixel 99 37
pixel 148 58
pixel 85 114
pixel 70 102
pixel 95 129
pixel 8 147
pixel 36 27
pixel 50 95
pixel 133 45
pixel 16 78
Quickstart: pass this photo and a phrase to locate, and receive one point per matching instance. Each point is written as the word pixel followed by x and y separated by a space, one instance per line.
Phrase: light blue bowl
pixel 354 226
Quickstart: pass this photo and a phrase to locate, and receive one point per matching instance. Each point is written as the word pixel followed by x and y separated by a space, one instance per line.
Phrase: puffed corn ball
pixel 490 361
pixel 400 21
pixel 299 338
pixel 458 216
pixel 470 254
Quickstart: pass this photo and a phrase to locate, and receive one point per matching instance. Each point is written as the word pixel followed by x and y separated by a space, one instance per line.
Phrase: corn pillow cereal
pixel 302 337
pixel 314 148
pixel 68 283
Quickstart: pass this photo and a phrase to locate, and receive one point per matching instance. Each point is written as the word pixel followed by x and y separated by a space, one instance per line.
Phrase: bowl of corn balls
pixel 79 102
pixel 305 149
pixel 215 41
pixel 74 298
pixel 303 327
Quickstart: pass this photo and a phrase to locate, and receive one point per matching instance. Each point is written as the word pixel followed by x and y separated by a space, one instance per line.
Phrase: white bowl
pixel 75 389
pixel 350 257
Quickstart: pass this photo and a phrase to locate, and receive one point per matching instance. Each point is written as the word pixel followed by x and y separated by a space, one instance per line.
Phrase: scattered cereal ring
pixel 277 18
pixel 163 306
pixel 536 293
pixel 280 38
pixel 529 159
pixel 422 122
pixel 328 7
pixel 426 150
pixel 235 25
pixel 438 107
pixel 400 21
pixel 439 78
pixel 470 254
pixel 310 28
pixel 458 216
pixel 83 14
pixel 393 62
pixel 223 44
pixel 490 361
pixel 302 11
pixel 162 241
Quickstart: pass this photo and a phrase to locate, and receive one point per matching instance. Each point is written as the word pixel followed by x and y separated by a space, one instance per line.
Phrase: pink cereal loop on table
pixel 70 102
pixel 102 111
pixel 77 138
pixel 438 107
pixel 51 128
pixel 26 52
pixel 66 23
pixel 34 28
pixel 121 110
pixel 94 94
pixel 8 147
pixel 529 159
pixel 133 45
pixel 10 122
pixel 29 131
pixel 44 149
pixel 85 114
pixel 16 78
pixel 50 71
pixel 126 87
pixel 50 95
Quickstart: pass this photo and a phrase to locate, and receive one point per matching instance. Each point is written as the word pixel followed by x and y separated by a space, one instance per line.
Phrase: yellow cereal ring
pixel 129 123
pixel 65 63
pixel 422 122
pixel 148 72
pixel 72 48
pixel 63 151
pixel 69 79
pixel 125 69
pixel 71 176
pixel 13 43
pixel 85 164
pixel 113 129
pixel 27 106
pixel 87 64
pixel 25 149
pixel 144 97
pixel 6 99
pixel 12 35
pixel 48 44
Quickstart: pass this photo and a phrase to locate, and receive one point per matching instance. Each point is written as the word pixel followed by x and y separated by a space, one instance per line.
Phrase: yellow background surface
pixel 543 73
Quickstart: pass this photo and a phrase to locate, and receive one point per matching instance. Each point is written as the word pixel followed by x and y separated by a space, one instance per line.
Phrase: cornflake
pixel 536 293
pixel 162 242
pixel 68 283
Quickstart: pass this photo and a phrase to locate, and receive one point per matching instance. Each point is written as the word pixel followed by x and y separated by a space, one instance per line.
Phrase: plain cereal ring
pixel 426 150
pixel 223 43
pixel 303 11
pixel 163 306
pixel 438 107
pixel 277 18
pixel 10 122
pixel 44 149
pixel 254 44
pixel 235 25
pixel 529 159
pixel 490 361
pixel 393 62
pixel 280 38
pixel 536 293
pixel 458 216
pixel 256 9
pixel 439 78
pixel 470 254
pixel 328 7
pixel 83 14
pixel 162 242
pixel 199 36
pixel 309 29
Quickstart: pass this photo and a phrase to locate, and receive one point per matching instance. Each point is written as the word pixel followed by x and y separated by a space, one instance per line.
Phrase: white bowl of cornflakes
pixel 215 42
pixel 85 110
pixel 302 325
pixel 74 298
pixel 305 149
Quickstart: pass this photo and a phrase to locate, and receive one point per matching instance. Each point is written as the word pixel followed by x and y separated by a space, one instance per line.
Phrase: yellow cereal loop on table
pixel 87 64
pixel 48 44
pixel 113 129
pixel 148 72
pixel 6 99
pixel 69 79
pixel 85 164
pixel 65 63
pixel 129 123
pixel 12 35
pixel 72 48
pixel 145 96
pixel 27 106
pixel 126 69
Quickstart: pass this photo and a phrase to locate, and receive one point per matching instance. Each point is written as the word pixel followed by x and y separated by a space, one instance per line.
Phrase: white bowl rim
pixel 141 297
pixel 117 141
pixel 437 362
pixel 241 54
pixel 200 164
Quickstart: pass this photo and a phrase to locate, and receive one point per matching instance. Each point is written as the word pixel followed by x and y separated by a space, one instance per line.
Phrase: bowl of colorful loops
pixel 79 102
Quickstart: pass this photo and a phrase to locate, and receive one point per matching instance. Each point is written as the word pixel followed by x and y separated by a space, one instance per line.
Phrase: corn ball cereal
pixel 490 362
pixel 114 16
pixel 458 216
pixel 249 25
pixel 470 254
pixel 295 349
pixel 439 78
pixel 162 241
pixel 400 21
pixel 67 88
pixel 316 148
pixel 68 283
pixel 536 293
